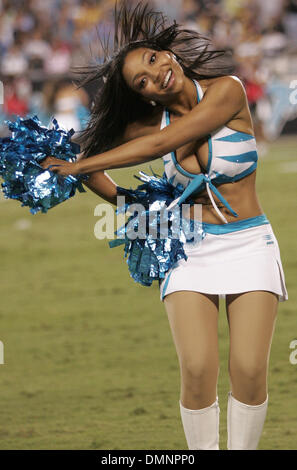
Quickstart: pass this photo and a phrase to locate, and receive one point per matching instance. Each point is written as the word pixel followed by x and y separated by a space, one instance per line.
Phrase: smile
pixel 168 79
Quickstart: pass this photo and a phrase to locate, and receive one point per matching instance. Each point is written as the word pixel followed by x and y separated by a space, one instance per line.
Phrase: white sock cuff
pixel 246 406
pixel 201 410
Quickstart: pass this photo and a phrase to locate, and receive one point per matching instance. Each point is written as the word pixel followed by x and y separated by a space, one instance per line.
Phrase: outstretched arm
pixel 223 100
pixel 99 181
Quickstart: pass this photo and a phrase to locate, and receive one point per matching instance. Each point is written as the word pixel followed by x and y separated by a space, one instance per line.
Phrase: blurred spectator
pixel 14 61
pixel 61 99
pixel 290 19
pixel 173 9
pixel 59 59
pixel 65 24
pixel 36 46
pixel 15 103
pixel 88 13
pixel 270 12
pixel 190 10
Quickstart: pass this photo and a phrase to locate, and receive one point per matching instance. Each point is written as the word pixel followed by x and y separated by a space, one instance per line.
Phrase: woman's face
pixel 156 75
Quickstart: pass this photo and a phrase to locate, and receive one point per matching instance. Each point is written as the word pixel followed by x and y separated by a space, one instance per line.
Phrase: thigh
pixel 251 317
pixel 193 319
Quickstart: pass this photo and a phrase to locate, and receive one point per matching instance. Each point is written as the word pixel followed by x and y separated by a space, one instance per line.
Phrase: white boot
pixel 244 424
pixel 201 427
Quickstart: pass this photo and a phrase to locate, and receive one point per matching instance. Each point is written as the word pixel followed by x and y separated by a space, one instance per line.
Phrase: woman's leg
pixel 193 319
pixel 251 317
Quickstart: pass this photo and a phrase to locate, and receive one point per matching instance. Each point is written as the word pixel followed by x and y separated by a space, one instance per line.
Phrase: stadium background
pixel 89 362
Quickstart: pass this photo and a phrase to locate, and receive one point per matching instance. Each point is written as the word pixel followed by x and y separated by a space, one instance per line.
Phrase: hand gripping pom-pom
pixel 24 179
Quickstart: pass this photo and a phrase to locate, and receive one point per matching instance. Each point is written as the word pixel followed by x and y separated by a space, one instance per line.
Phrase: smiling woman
pixel 144 36
pixel 158 79
pixel 166 92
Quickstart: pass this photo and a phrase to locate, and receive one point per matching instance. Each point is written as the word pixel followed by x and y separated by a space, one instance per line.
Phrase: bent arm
pixel 222 101
pixel 102 184
pixel 99 181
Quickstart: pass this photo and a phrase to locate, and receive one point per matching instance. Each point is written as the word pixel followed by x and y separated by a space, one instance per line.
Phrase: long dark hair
pixel 115 104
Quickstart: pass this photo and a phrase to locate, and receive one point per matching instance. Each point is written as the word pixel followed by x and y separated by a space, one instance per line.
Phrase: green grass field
pixel 89 358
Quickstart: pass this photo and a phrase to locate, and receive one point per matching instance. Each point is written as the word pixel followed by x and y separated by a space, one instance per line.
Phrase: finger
pixel 45 162
pixel 51 166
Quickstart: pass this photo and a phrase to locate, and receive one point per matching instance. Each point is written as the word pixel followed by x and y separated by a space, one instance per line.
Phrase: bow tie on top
pixel 198 183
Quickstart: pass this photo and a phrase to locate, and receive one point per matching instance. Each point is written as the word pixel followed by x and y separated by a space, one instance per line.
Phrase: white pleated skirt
pixel 244 259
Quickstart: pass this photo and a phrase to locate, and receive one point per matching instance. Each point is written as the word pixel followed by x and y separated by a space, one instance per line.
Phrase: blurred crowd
pixel 40 42
pixel 263 38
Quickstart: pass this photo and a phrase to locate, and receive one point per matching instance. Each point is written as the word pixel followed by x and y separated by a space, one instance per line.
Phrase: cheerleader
pixel 167 93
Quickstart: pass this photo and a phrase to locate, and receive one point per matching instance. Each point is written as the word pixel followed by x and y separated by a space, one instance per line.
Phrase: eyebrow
pixel 138 75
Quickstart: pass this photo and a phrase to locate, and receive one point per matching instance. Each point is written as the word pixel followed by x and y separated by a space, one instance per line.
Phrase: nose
pixel 156 70
pixel 157 75
pixel 154 73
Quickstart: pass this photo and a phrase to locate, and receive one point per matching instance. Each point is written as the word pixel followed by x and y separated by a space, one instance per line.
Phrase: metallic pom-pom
pixel 153 252
pixel 24 179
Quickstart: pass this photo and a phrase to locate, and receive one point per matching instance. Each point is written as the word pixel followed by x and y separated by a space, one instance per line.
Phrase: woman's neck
pixel 185 100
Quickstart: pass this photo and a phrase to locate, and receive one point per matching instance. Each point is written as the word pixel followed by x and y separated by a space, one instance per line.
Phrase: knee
pixel 198 373
pixel 249 376
pixel 252 370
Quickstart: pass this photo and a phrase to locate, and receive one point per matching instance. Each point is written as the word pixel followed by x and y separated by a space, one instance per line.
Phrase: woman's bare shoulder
pixel 228 84
pixel 229 92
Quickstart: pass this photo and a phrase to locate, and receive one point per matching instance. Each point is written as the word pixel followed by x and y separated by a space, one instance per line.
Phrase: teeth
pixel 167 78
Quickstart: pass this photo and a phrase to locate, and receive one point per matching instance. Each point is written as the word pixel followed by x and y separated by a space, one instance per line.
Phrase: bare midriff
pixel 241 195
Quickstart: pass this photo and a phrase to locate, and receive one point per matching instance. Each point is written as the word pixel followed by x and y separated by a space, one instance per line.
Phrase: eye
pixel 142 83
pixel 153 58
